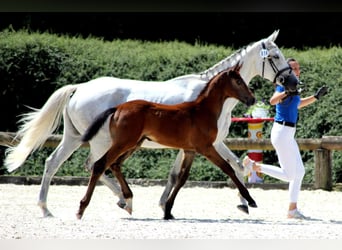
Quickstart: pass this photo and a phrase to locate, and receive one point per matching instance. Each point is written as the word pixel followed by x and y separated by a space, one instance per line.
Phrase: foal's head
pixel 236 87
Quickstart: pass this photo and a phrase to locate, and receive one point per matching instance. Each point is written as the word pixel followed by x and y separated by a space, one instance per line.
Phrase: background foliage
pixel 33 65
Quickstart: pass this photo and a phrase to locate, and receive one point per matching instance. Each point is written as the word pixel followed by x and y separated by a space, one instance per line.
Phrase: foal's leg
pixel 173 175
pixel 109 182
pixel 117 153
pixel 211 153
pixel 236 164
pixel 179 180
pixel 184 160
pixel 97 170
pixel 126 191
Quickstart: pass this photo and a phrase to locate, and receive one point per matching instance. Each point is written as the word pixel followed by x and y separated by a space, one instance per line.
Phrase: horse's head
pixel 271 64
pixel 237 87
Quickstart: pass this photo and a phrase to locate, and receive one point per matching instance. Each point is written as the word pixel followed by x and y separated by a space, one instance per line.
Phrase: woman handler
pixel 283 140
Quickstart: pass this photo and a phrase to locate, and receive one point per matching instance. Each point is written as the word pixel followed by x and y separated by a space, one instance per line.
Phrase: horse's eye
pixel 276 56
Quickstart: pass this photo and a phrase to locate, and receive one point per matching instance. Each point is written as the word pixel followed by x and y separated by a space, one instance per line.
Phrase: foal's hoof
pixel 129 205
pixel 252 204
pixel 243 208
pixel 129 210
pixel 169 217
pixel 79 216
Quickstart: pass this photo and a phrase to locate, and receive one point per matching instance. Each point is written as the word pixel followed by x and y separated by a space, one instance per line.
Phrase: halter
pixel 264 54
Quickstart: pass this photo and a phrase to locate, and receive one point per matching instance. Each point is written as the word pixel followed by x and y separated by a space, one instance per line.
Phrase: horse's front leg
pixel 180 180
pixel 97 170
pixel 236 164
pixel 226 153
pixel 212 155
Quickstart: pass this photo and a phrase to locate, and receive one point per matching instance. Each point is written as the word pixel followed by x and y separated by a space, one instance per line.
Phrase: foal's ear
pixel 238 66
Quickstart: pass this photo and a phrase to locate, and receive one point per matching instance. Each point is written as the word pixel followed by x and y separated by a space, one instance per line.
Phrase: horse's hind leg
pixel 182 176
pixel 112 185
pixel 66 147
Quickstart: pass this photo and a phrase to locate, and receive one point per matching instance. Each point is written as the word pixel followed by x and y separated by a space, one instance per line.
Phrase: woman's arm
pixel 306 101
pixel 277 97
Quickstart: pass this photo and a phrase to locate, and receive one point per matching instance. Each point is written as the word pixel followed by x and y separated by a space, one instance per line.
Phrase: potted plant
pixel 259 110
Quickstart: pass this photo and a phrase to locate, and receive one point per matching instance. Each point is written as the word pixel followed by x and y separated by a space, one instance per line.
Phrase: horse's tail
pixel 97 124
pixel 37 126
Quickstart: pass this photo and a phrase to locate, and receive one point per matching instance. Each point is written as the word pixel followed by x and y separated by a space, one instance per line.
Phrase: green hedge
pixel 33 65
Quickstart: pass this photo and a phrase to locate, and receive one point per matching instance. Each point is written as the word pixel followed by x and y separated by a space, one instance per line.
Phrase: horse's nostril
pixel 251 101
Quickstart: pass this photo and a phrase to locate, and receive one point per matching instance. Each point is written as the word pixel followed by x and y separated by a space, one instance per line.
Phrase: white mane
pixel 225 63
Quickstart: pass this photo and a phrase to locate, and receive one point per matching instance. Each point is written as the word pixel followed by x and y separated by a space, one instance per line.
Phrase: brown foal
pixel 191 126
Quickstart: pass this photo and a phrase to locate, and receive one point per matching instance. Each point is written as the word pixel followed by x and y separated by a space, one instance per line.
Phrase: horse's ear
pixel 273 36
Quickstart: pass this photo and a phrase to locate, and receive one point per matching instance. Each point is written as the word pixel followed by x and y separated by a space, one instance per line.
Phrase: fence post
pixel 323 169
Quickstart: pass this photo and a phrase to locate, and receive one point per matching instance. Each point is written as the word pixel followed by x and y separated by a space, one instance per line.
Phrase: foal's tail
pixel 37 126
pixel 97 124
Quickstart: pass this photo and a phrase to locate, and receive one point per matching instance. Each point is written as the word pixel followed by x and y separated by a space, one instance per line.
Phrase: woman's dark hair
pixel 291 59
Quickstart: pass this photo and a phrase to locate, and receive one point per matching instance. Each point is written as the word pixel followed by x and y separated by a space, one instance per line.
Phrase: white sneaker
pixel 295 214
pixel 248 165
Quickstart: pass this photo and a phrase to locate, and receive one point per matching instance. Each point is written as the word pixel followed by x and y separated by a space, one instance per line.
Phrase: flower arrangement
pixel 259 110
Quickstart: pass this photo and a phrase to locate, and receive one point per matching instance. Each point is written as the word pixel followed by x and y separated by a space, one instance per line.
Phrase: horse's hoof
pixel 48 215
pixel 243 208
pixel 252 204
pixel 121 204
pixel 46 212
